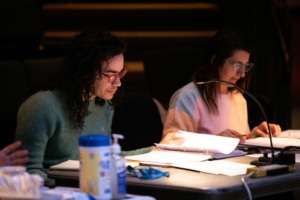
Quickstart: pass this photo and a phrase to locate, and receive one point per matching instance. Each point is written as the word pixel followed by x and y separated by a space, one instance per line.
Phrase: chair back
pixel 166 70
pixel 138 119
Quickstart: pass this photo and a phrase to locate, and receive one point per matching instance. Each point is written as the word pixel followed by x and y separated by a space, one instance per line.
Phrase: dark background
pixel 167 38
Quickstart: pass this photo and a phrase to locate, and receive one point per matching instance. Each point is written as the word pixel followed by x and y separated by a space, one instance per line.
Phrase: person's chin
pixel 233 81
pixel 108 97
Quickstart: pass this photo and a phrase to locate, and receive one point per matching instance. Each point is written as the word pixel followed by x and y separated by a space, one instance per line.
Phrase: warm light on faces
pixel 107 83
pixel 235 67
pixel 112 76
pixel 240 67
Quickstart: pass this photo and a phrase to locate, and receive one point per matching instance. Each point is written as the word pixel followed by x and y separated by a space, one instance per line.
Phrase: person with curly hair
pixel 79 101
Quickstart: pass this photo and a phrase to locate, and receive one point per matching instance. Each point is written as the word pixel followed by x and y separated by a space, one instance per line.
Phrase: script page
pixel 278 142
pixel 290 133
pixel 162 157
pixel 201 142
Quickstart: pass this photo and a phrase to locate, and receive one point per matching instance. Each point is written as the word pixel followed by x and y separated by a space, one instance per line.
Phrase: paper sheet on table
pixel 67 165
pixel 216 167
pixel 161 157
pixel 278 142
pixel 201 142
pixel 290 133
pixel 74 165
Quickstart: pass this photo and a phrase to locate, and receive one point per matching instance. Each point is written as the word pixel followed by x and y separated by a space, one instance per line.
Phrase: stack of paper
pixel 278 142
pixel 196 147
pixel 290 133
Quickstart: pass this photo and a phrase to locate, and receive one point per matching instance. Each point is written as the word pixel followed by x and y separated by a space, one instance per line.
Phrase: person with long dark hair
pixel 217 108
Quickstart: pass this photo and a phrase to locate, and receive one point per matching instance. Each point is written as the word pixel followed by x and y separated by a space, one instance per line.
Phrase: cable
pixel 246 185
pixel 254 99
pixel 290 148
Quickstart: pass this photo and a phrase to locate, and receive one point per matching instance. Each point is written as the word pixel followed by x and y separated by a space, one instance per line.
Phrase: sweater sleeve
pixel 34 129
pixel 183 112
pixel 137 151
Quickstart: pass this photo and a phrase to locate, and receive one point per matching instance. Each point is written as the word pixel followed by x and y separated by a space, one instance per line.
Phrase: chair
pixel 40 70
pixel 14 89
pixel 138 119
pixel 166 70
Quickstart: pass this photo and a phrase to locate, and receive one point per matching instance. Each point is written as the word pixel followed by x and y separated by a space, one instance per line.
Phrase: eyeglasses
pixel 240 67
pixel 112 78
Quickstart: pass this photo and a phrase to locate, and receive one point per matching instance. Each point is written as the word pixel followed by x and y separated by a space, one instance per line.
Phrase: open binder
pixel 201 142
pixel 196 147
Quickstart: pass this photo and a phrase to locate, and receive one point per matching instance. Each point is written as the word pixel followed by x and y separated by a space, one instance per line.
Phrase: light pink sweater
pixel 188 112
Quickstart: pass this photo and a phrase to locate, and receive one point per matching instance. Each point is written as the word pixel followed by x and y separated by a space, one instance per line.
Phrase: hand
pixel 233 134
pixel 262 130
pixel 10 155
pixel 170 138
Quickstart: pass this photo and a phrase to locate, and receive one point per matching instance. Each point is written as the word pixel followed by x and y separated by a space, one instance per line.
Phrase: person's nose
pixel 242 72
pixel 117 82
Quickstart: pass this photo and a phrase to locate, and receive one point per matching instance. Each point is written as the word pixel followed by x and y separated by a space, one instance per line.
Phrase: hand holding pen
pixel 262 130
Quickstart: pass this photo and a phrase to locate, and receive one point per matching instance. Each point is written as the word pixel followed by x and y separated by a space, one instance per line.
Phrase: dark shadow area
pixel 14 89
pixel 137 118
pixel 256 114
pixel 21 29
pixel 168 69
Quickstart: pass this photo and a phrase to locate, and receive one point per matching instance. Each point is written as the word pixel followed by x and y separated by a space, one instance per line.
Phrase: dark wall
pixel 27 26
pixel 269 26
pixel 295 58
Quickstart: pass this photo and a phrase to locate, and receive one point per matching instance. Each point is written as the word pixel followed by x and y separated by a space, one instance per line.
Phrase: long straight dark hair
pixel 221 46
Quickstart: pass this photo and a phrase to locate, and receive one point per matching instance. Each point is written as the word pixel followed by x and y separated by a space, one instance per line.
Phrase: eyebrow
pixel 113 71
pixel 240 62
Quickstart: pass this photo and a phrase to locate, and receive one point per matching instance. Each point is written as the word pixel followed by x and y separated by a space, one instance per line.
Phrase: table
pixel 187 184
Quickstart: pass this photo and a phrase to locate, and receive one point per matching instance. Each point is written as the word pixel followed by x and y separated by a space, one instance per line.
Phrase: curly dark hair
pixel 221 46
pixel 86 53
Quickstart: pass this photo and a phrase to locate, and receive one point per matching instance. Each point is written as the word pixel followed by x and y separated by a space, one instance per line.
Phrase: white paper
pixel 290 133
pixel 217 167
pixel 67 165
pixel 229 155
pixel 75 165
pixel 277 142
pixel 200 142
pixel 161 157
